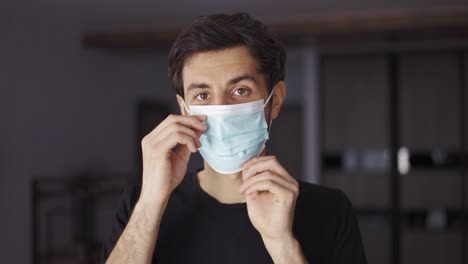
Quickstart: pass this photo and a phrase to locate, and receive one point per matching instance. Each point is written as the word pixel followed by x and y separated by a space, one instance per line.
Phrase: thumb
pixel 183 153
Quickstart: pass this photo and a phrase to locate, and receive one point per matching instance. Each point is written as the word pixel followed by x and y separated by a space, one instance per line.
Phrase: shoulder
pixel 326 226
pixel 321 213
pixel 128 199
pixel 310 192
pixel 322 203
pixel 131 193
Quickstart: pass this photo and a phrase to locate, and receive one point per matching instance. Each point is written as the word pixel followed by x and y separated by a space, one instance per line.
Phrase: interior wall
pixel 63 110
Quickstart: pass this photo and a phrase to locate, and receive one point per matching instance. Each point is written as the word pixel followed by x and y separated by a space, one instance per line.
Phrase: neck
pixel 223 187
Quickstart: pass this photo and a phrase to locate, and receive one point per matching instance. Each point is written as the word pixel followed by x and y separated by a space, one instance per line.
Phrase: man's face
pixel 228 76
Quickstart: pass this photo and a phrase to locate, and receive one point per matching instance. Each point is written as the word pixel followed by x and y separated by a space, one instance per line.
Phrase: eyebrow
pixel 198 86
pixel 243 77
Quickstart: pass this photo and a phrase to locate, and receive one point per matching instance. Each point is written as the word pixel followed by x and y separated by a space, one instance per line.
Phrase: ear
pixel 181 103
pixel 279 93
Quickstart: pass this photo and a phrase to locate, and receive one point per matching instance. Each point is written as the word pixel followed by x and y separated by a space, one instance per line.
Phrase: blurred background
pixel 376 106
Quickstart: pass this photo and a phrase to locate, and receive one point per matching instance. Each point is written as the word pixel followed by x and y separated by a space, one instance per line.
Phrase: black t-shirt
pixel 196 228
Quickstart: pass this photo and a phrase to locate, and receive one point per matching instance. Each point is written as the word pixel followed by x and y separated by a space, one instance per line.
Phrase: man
pixel 243 206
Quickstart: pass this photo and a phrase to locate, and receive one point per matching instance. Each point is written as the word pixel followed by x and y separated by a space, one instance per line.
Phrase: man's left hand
pixel 271 195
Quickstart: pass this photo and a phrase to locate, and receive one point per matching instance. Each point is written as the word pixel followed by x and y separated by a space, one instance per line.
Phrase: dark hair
pixel 221 31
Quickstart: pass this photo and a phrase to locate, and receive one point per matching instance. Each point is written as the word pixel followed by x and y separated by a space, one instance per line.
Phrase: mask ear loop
pixel 268 99
pixel 269 127
pixel 186 108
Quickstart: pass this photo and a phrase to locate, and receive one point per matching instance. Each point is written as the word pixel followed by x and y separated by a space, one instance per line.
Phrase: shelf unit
pixel 70 216
pixel 393 132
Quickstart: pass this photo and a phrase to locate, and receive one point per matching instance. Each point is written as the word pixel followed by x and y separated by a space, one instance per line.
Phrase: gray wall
pixel 63 110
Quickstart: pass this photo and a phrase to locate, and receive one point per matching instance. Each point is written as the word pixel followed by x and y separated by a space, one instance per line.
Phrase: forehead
pixel 219 66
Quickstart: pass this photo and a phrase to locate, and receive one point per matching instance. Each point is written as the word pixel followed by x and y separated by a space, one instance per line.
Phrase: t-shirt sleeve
pixel 120 220
pixel 348 246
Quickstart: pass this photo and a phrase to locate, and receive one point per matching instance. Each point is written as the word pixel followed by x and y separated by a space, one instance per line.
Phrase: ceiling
pixel 105 14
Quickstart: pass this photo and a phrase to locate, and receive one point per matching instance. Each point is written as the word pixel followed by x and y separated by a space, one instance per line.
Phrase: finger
pixel 270 186
pixel 267 175
pixel 155 136
pixel 182 152
pixel 179 138
pixel 174 128
pixel 201 118
pixel 195 121
pixel 255 159
pixel 268 163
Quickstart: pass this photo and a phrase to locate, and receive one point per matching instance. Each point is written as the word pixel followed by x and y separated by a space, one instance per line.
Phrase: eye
pixel 242 92
pixel 201 97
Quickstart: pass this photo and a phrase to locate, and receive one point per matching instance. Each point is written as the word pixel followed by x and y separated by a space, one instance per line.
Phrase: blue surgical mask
pixel 235 134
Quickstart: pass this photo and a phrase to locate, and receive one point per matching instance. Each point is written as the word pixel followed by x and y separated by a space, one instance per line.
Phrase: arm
pixel 138 239
pixel 163 170
pixel 287 250
pixel 271 200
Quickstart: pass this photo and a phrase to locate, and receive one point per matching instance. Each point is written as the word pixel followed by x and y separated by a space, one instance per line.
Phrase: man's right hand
pixel 163 170
pixel 166 151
